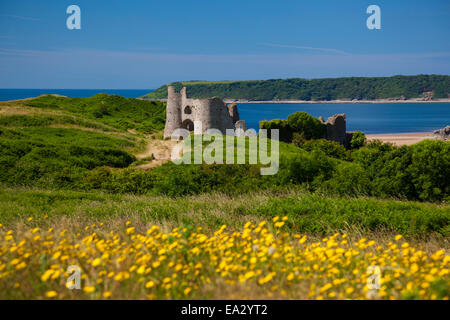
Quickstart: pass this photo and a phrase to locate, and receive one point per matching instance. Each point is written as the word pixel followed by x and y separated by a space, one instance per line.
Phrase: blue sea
pixel 13 94
pixel 371 118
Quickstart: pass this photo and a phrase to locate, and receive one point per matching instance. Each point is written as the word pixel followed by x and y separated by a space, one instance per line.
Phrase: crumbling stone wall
pixel 233 111
pixel 336 128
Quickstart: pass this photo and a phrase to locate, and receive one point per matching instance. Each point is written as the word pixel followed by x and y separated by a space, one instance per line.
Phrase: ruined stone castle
pixel 182 112
pixel 213 113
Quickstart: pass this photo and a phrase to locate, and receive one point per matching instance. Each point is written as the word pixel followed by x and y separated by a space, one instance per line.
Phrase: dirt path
pixel 159 150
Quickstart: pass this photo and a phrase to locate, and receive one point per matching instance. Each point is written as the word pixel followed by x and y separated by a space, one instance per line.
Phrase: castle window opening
pixel 187 110
pixel 188 125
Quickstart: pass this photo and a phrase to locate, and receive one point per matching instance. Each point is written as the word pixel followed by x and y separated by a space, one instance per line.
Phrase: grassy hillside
pixel 316 89
pixel 118 112
pixel 55 141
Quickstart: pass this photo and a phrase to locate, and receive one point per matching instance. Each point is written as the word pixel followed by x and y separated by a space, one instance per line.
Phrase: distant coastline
pixel 17 94
pixel 86 93
pixel 414 100
pixel 324 90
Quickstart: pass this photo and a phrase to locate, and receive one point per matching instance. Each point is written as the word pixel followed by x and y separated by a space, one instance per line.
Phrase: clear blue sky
pixel 144 44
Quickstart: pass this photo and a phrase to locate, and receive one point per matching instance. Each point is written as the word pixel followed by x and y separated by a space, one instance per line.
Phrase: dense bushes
pixel 299 125
pixel 330 148
pixel 285 131
pixel 306 125
pixel 56 157
pixel 358 140
pixel 348 179
pixel 420 171
pixel 307 168
pixel 416 172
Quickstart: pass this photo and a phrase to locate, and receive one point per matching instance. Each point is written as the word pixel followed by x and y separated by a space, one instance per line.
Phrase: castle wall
pixel 336 128
pixel 233 111
pixel 212 113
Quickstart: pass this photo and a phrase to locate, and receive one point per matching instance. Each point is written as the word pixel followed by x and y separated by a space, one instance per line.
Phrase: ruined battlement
pixel 337 128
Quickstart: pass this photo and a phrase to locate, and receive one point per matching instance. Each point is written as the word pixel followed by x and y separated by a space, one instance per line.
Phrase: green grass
pixel 309 213
pixel 118 112
pixel 36 120
pixel 67 136
pixel 54 142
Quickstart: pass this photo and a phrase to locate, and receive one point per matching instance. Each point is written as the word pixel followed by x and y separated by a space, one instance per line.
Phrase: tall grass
pixel 308 213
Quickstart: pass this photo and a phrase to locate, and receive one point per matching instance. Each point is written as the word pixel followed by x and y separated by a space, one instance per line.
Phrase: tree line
pixel 351 88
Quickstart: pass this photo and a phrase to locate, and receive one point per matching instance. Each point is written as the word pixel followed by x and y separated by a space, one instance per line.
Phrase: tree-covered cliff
pixel 361 88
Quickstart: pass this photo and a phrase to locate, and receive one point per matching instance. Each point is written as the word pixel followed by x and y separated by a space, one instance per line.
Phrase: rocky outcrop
pixel 427 96
pixel 443 134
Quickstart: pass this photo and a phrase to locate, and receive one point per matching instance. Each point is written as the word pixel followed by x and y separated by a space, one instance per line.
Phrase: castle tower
pixel 173 111
pixel 183 93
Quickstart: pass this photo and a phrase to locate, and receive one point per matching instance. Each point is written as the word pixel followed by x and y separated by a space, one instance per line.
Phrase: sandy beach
pixel 401 139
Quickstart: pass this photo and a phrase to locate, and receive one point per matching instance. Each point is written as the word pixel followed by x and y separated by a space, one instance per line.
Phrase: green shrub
pixel 420 171
pixel 306 168
pixel 330 148
pixel 285 132
pixel 306 125
pixel 430 169
pixel 348 179
pixel 358 140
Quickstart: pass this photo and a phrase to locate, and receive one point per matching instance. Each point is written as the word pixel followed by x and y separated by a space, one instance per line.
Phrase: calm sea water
pixel 13 94
pixel 370 118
